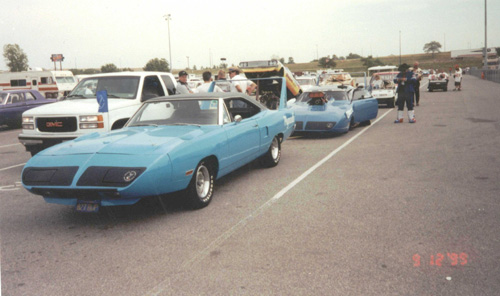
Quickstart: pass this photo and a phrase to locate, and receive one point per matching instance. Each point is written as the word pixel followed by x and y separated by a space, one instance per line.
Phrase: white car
pixel 306 82
pixel 385 93
pixel 78 114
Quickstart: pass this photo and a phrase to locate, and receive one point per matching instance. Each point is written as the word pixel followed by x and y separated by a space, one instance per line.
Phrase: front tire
pixel 201 188
pixel 273 155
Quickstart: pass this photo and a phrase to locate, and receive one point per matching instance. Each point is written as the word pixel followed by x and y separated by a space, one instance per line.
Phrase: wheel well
pixel 213 162
pixel 119 123
pixel 280 136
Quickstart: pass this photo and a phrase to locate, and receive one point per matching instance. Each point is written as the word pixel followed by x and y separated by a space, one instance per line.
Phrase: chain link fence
pixel 491 75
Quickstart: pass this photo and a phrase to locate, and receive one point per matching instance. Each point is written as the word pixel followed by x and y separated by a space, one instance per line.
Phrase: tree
pixel 432 46
pixel 282 60
pixel 127 70
pixel 195 68
pixel 156 64
pixel 352 56
pixel 371 62
pixel 327 62
pixel 15 58
pixel 108 68
pixel 290 60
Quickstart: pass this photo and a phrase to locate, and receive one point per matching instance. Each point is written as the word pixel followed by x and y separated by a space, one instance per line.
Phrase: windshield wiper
pixel 144 124
pixel 185 124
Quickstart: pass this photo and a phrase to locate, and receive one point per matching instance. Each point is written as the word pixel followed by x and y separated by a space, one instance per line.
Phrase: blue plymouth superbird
pixel 333 109
pixel 172 143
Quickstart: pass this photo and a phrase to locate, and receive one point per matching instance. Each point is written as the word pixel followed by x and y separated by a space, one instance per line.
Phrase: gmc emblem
pixel 54 124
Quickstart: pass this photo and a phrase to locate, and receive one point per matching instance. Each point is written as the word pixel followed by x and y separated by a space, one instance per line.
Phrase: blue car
pixel 172 143
pixel 14 102
pixel 333 109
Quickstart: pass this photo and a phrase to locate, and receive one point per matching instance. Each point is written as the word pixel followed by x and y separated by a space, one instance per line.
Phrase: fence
pixel 491 75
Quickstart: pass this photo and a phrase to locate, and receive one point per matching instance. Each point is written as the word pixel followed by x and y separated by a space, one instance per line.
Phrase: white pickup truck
pixel 78 114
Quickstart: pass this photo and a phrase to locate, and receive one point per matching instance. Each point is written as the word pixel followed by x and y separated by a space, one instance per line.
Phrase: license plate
pixel 87 206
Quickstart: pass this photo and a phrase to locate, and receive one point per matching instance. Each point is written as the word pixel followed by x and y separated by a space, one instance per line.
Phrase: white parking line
pixel 14 166
pixel 10 145
pixel 163 286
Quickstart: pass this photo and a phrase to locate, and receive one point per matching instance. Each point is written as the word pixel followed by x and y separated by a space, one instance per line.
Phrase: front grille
pixel 299 125
pixel 49 176
pixel 56 124
pixel 80 194
pixel 318 125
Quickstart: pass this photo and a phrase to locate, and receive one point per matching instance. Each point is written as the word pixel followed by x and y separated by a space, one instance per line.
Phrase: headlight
pixel 91 122
pixel 28 122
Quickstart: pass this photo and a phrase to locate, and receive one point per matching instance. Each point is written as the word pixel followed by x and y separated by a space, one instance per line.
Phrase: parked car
pixel 78 114
pixel 386 94
pixel 14 102
pixel 175 143
pixel 306 82
pixel 438 81
pixel 336 77
pixel 333 109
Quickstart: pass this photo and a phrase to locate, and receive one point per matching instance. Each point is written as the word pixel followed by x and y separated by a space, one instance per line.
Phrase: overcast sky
pixel 129 33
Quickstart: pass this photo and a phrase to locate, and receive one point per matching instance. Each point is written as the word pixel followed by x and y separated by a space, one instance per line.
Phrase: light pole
pixel 188 61
pixel 168 17
pixel 485 38
pixel 399 47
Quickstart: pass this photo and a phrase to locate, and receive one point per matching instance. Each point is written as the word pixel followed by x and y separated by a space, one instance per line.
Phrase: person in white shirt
pixel 241 85
pixel 207 81
pixel 458 78
pixel 378 83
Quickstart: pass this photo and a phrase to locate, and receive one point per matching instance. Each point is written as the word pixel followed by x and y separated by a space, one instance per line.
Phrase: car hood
pixel 131 141
pixel 78 107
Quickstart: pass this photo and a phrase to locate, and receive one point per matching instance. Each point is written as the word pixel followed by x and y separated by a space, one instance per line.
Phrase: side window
pixel 34 82
pixel 44 80
pixel 18 82
pixel 242 107
pixel 29 96
pixel 152 88
pixel 169 84
pixel 16 98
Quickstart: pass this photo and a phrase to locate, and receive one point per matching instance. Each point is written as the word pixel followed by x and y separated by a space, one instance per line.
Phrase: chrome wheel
pixel 275 149
pixel 202 182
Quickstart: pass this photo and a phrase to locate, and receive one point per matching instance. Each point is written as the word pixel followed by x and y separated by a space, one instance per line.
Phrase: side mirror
pixel 238 118
pixel 292 101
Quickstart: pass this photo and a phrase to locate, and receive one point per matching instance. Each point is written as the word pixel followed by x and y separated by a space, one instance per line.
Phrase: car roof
pixel 18 91
pixel 139 73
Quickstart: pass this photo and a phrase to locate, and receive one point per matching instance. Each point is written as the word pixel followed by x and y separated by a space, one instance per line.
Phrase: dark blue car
pixel 14 102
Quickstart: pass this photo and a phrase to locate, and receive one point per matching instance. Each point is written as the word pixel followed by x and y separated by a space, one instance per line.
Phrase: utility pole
pixel 188 61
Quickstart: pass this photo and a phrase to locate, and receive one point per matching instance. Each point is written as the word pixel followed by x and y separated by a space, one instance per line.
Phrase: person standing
pixel 458 78
pixel 182 85
pixel 241 84
pixel 418 75
pixel 207 81
pixel 406 81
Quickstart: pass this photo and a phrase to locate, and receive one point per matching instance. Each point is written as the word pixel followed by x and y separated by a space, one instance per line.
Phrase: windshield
pixel 178 112
pixel 124 87
pixel 306 81
pixel 325 95
pixel 65 79
pixel 3 98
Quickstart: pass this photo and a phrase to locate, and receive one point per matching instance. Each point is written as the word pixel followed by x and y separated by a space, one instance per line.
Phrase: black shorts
pixel 457 83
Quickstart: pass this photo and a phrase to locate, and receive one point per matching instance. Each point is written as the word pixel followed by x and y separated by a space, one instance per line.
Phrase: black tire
pixel 366 123
pixel 273 154
pixel 201 188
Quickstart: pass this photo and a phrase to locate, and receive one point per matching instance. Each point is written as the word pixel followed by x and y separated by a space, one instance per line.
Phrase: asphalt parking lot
pixel 387 209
